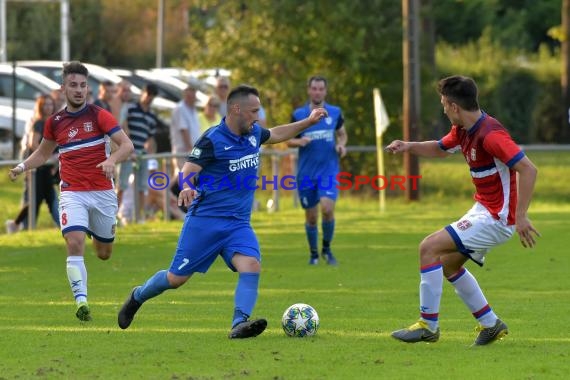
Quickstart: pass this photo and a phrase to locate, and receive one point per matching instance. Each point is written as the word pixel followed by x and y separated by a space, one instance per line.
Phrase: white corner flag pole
pixel 381 121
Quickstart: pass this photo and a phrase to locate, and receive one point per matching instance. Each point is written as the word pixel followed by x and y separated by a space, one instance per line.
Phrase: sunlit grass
pixel 183 333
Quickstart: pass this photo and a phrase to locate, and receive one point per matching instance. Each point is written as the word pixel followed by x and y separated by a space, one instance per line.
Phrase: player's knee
pixel 74 245
pixel 246 264
pixel 104 253
pixel 311 218
pixel 428 251
pixel 176 281
pixel 253 266
pixel 328 214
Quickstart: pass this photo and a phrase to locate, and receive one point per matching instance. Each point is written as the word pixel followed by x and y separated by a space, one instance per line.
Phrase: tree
pixel 278 45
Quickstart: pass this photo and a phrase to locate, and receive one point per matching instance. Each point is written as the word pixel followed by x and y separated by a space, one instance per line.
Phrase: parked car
pixel 23 115
pixel 98 74
pixel 207 76
pixel 29 85
pixel 169 87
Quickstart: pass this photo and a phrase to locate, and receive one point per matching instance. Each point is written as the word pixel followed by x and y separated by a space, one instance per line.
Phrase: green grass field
pixel 183 333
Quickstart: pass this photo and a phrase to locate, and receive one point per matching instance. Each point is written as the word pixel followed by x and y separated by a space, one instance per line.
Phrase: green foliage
pixel 86 34
pixel 514 24
pixel 549 114
pixel 278 45
pixel 43 19
pixel 513 103
pixel 520 89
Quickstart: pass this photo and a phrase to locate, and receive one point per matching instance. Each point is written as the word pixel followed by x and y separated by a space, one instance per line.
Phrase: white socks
pixel 431 287
pixel 468 289
pixel 77 276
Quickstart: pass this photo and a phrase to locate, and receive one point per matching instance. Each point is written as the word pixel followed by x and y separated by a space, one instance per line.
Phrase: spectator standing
pixel 141 124
pixel 185 125
pixel 222 90
pixel 210 115
pixel 44 189
pixel 107 92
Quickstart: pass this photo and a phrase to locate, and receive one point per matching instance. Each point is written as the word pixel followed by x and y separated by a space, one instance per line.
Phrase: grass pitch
pixel 183 333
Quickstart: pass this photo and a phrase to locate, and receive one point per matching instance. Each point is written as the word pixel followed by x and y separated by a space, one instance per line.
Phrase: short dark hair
pixel 460 90
pixel 316 78
pixel 74 67
pixel 240 92
pixel 151 89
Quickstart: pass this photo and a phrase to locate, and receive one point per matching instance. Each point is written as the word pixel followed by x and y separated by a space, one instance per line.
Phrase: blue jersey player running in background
pixel 319 149
pixel 219 181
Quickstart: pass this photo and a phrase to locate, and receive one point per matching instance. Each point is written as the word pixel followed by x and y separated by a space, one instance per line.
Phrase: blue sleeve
pixel 265 135
pixel 340 122
pixel 203 152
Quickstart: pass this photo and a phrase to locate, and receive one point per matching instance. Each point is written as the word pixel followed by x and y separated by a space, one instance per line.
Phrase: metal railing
pixel 275 155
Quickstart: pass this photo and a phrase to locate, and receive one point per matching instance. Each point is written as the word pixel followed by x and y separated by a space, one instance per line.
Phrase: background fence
pixel 275 162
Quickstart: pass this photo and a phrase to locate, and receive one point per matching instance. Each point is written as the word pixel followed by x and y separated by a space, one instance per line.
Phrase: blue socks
pixel 245 297
pixel 328 232
pixel 245 294
pixel 312 237
pixel 153 287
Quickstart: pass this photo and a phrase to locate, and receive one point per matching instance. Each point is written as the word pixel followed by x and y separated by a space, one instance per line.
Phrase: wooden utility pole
pixel 160 34
pixel 565 74
pixel 412 85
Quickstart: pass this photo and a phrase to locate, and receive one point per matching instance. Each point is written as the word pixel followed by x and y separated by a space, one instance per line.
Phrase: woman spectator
pixel 210 116
pixel 44 189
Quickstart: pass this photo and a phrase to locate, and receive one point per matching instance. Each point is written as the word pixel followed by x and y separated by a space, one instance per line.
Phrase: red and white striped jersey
pixel 83 143
pixel 490 153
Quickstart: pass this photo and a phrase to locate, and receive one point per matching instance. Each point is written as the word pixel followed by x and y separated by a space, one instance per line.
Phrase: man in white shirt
pixel 185 125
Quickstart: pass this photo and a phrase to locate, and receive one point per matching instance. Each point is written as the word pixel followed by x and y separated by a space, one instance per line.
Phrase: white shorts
pixel 94 212
pixel 477 232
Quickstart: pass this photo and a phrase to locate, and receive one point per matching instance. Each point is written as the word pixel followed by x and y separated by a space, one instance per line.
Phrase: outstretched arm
pixel 287 131
pixel 423 148
pixel 298 142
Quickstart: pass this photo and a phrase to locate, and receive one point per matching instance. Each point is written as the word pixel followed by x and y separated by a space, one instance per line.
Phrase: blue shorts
pixel 311 191
pixel 204 238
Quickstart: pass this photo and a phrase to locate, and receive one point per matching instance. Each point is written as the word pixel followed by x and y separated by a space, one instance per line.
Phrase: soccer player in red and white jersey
pixel 88 202
pixel 494 160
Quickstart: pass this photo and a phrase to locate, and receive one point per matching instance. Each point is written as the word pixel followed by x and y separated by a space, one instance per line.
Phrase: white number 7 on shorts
pixel 184 263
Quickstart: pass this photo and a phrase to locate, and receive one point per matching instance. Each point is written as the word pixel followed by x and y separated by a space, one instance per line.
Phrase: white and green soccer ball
pixel 300 320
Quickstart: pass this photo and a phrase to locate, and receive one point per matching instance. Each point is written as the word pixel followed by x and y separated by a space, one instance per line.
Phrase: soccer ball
pixel 300 320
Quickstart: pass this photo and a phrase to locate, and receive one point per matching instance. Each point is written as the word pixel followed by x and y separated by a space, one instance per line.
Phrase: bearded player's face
pixel 75 88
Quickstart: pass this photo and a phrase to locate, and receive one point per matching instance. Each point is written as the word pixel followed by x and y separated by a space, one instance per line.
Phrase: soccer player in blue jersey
pixel 219 180
pixel 319 149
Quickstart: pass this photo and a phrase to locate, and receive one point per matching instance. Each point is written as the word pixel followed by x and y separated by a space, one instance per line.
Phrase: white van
pixel 29 85
pixel 23 115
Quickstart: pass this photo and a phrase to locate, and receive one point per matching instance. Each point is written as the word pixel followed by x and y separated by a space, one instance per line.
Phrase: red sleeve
pixel 501 145
pixel 107 122
pixel 449 141
pixel 48 130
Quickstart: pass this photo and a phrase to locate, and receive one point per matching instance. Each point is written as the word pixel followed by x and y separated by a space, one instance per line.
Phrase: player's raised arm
pixel 287 131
